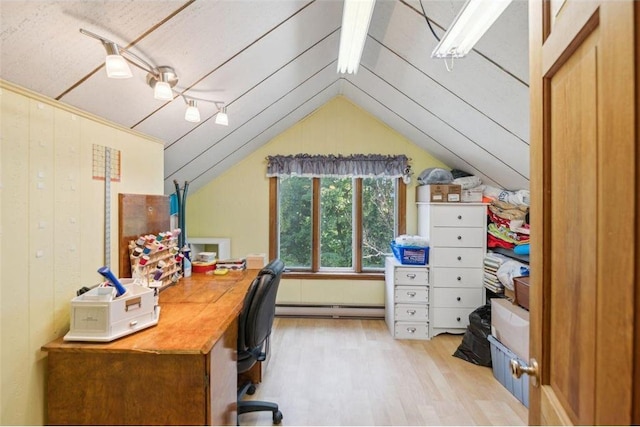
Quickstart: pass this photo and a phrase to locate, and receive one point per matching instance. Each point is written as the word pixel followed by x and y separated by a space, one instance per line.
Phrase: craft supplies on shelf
pixel 156 260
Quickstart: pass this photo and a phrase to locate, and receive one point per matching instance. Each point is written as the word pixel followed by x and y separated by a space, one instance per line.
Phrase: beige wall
pixel 236 204
pixel 52 236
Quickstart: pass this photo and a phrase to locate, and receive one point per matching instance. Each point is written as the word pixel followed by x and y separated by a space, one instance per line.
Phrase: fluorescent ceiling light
pixel 356 16
pixel 472 22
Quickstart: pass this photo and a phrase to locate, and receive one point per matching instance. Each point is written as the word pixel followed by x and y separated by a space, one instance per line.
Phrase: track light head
pixel 192 114
pixel 161 81
pixel 115 64
pixel 222 118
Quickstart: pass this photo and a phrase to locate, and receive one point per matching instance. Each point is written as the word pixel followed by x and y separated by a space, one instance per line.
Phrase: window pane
pixel 295 226
pixel 378 220
pixel 336 222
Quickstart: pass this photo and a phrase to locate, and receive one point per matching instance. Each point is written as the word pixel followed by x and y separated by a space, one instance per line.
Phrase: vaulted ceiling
pixel 273 62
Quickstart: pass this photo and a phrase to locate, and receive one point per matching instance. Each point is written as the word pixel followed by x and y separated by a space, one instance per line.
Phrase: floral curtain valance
pixel 356 165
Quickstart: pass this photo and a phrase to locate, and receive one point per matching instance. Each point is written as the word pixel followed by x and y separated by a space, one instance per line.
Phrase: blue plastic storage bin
pixel 501 360
pixel 411 255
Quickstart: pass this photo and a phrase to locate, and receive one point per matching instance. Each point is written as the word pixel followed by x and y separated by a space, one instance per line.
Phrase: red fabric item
pixel 494 242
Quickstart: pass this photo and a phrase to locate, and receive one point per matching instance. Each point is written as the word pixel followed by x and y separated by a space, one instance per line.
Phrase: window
pixel 335 225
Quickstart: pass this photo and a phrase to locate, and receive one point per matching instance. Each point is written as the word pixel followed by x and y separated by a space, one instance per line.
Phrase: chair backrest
pixel 256 318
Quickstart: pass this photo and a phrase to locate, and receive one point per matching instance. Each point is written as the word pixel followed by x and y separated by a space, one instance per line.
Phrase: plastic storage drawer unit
pixel 500 359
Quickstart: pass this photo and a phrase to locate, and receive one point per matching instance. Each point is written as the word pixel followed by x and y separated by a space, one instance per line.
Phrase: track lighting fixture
pixel 162 79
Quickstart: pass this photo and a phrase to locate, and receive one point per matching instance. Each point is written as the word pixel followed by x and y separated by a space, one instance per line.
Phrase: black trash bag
pixel 475 346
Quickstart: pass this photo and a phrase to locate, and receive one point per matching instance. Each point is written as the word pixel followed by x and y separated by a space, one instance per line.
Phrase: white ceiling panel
pixel 257 99
pixel 272 62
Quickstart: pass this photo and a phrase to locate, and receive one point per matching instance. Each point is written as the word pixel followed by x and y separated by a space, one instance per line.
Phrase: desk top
pixel 194 314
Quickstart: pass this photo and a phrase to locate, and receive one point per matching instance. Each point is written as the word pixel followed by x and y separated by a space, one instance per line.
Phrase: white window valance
pixel 356 165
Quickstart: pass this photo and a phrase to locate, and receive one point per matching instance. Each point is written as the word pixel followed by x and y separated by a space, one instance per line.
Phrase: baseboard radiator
pixel 330 311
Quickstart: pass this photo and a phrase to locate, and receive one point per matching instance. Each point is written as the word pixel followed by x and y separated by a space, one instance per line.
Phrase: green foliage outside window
pixel 337 221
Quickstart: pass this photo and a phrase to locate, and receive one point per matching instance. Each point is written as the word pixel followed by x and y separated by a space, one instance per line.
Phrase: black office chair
pixel 254 327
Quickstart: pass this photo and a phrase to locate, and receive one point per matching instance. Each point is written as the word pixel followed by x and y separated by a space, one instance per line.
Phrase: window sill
pixel 332 275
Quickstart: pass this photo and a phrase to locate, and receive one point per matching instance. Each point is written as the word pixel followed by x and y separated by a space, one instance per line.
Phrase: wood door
pixel 584 188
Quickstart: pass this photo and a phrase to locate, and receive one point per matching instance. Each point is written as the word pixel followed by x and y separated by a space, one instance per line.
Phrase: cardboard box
pixel 256 261
pixel 438 193
pixel 471 196
pixel 521 285
pixel 510 325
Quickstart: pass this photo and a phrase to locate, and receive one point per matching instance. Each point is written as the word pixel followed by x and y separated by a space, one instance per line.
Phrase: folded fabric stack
pixel 507 228
pixel 492 263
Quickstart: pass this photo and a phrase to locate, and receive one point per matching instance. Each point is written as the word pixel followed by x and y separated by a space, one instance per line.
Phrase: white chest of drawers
pixel 457 234
pixel 407 300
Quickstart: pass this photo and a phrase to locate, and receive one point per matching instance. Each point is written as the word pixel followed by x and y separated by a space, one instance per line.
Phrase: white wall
pixel 52 235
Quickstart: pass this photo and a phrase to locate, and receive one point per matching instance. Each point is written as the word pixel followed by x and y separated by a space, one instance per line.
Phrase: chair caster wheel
pixel 277 417
pixel 251 390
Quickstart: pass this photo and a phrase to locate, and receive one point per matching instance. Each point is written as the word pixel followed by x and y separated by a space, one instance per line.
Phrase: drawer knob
pixel 459 216
pixel 459 258
pixel 458 319
pixel 411 330
pixel 411 294
pixel 411 275
pixel 411 312
pixel 459 237
pixel 458 299
pixel 459 278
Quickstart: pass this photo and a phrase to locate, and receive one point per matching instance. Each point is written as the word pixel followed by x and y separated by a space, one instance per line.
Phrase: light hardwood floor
pixel 352 372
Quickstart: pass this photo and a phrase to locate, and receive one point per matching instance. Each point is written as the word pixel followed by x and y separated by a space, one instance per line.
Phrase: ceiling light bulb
pixel 162 91
pixel 222 118
pixel 192 114
pixel 116 65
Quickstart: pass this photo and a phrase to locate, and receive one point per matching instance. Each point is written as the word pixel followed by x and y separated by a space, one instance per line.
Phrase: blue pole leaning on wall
pixel 182 238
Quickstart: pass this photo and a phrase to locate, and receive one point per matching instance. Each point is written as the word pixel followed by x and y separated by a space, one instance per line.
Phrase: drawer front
pixel 412 294
pixel 457 277
pixel 456 257
pixel 417 313
pixel 459 237
pixel 459 216
pixel 411 276
pixel 451 317
pixel 411 330
pixel 457 297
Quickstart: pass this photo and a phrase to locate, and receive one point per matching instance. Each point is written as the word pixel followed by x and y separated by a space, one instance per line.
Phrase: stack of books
pixel 492 263
pixel 232 263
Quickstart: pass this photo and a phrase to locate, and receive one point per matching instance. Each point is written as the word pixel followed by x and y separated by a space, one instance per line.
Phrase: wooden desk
pixel 181 371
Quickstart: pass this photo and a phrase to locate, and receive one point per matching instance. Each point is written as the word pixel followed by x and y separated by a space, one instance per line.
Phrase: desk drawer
pixel 411 276
pixel 457 297
pixel 456 257
pixel 418 313
pixel 451 317
pixel 458 237
pixel 456 277
pixel 412 330
pixel 412 294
